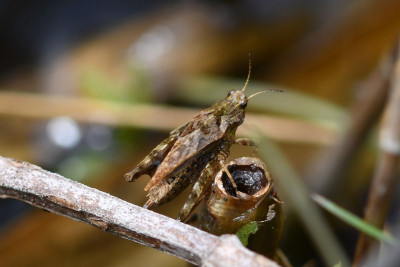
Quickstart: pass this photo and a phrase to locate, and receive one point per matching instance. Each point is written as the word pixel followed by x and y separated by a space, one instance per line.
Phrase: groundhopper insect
pixel 194 153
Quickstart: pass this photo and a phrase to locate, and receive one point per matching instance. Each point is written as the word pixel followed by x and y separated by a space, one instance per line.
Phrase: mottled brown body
pixel 194 153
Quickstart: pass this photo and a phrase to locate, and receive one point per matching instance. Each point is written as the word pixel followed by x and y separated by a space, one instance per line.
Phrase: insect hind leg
pixel 151 162
pixel 200 189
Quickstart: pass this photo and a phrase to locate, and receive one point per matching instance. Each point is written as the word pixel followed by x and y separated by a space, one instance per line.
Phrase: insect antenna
pixel 248 75
pixel 264 91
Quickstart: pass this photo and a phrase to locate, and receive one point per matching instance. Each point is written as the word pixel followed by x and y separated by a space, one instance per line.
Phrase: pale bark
pixel 57 194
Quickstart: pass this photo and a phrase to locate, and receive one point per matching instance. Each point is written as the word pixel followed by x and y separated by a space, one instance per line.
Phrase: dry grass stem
pixel 386 172
pixel 157 117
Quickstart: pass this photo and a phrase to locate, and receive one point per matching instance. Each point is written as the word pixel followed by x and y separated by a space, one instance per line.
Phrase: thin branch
pixel 158 117
pixel 386 173
pixel 52 192
pixel 327 175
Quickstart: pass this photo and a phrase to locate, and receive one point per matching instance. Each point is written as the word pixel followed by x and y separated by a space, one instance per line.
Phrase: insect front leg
pixel 222 156
pixel 248 142
pixel 150 163
pixel 200 189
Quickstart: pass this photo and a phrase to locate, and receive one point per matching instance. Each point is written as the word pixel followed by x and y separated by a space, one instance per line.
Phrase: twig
pixel 52 192
pixel 384 180
pixel 158 117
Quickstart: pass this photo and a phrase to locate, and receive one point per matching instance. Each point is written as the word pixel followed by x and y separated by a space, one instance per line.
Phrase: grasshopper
pixel 194 153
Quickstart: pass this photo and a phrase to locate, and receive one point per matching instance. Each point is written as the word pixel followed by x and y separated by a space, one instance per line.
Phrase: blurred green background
pixel 88 88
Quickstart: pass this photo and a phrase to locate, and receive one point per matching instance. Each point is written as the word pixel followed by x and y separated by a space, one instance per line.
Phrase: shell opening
pixel 249 179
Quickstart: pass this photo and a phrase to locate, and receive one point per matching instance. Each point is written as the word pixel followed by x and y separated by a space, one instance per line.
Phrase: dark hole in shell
pixel 249 179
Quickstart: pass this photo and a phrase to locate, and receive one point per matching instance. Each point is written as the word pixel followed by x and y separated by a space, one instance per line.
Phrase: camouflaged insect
pixel 194 153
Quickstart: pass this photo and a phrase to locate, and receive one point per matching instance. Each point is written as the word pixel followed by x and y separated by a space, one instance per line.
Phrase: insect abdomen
pixel 177 181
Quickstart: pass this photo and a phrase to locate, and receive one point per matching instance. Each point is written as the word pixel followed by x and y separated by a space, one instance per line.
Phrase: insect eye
pixel 243 104
pixel 231 92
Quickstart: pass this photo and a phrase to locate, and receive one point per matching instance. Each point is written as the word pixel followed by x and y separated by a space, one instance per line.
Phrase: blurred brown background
pixel 74 76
